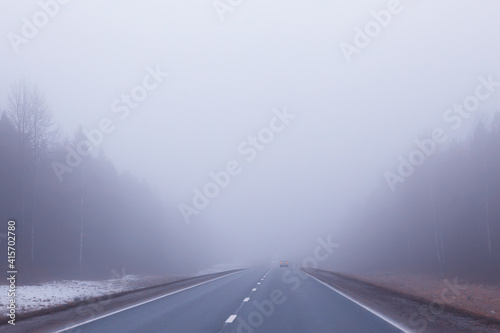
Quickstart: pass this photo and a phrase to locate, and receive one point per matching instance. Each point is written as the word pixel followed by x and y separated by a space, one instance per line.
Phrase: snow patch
pixel 50 294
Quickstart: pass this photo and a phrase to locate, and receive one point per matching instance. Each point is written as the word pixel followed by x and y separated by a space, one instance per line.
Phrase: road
pixel 249 301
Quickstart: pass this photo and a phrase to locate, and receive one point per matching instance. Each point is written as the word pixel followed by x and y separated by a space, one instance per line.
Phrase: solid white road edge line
pixel 139 304
pixel 230 319
pixel 378 314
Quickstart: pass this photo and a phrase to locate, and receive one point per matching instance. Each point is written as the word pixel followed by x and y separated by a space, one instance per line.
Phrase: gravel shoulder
pixel 417 314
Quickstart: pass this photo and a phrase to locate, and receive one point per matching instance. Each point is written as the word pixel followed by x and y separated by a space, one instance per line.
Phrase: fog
pixel 216 76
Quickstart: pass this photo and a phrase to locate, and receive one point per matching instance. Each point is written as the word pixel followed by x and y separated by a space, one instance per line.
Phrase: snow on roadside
pixel 46 295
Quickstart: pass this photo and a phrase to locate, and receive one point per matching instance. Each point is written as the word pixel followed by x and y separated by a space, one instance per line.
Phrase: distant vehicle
pixel 283 263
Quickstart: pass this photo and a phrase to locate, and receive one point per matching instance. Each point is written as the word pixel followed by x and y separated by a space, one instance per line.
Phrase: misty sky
pixel 225 79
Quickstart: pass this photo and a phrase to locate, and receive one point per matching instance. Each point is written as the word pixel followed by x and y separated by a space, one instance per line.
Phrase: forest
pixel 445 218
pixel 92 222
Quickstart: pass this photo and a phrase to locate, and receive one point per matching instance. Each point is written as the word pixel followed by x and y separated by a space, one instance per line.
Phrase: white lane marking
pixel 246 299
pixel 378 314
pixel 139 304
pixel 254 289
pixel 231 319
pixel 262 279
pixel 258 282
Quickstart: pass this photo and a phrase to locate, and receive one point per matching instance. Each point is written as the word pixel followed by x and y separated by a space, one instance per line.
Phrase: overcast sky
pixel 352 118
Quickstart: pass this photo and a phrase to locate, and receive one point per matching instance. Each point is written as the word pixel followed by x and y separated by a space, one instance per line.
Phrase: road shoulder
pixel 418 315
pixel 68 315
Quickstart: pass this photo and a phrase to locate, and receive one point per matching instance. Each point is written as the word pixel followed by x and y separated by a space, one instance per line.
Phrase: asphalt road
pixel 254 300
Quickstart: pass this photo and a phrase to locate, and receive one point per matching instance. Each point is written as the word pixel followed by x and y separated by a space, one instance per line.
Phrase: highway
pixel 253 300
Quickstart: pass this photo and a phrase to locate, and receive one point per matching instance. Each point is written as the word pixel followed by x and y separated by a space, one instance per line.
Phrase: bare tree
pixel 33 121
pixel 18 112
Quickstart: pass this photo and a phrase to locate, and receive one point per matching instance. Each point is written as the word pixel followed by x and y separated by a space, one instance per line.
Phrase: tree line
pixel 92 223
pixel 444 219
